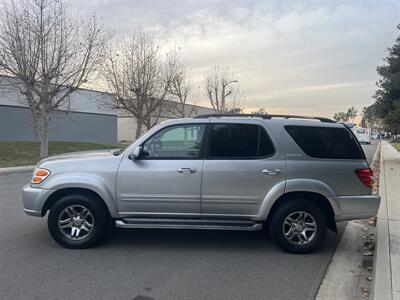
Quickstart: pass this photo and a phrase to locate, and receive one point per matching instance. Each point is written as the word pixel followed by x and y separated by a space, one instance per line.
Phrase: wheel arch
pixel 52 199
pixel 318 199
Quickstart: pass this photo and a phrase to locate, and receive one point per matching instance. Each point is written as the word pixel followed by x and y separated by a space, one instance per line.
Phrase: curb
pixel 386 276
pixel 15 170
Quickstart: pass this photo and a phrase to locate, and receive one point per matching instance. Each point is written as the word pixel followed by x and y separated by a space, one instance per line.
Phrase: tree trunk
pixel 44 146
pixel 44 140
pixel 223 99
pixel 139 126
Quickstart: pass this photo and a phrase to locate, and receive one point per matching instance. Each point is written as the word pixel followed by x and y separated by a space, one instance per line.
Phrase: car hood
pixel 78 155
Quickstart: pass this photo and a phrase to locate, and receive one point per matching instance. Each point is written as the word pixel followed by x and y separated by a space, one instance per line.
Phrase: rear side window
pixel 326 142
pixel 239 141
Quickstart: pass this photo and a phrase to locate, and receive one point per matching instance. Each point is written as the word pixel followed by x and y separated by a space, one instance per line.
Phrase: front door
pixel 240 167
pixel 166 179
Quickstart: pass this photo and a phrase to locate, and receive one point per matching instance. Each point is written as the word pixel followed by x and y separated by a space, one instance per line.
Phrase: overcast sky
pixel 305 57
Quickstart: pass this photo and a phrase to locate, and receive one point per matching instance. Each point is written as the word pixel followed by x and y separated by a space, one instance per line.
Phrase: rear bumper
pixel 356 207
pixel 34 200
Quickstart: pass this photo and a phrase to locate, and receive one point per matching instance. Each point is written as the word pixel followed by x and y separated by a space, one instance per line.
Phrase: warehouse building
pixel 85 117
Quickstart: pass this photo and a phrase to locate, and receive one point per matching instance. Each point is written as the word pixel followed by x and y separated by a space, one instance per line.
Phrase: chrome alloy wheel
pixel 76 222
pixel 299 228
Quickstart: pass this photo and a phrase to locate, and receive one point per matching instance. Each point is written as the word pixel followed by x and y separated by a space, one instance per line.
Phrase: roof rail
pixel 322 119
pixel 218 115
pixel 264 116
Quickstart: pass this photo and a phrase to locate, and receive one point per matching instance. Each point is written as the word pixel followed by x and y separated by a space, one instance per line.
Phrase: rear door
pixel 240 167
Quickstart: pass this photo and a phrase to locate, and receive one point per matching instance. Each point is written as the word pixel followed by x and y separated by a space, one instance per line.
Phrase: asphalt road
pixel 369 150
pixel 150 264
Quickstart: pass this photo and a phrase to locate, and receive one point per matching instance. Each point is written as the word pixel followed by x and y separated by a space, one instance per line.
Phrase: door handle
pixel 271 171
pixel 186 170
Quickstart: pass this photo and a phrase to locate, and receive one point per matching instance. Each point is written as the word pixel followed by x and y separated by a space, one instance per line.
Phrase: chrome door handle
pixel 186 170
pixel 271 171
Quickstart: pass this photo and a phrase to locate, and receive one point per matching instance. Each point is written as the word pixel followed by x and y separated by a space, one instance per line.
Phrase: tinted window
pixel 326 142
pixel 180 141
pixel 239 141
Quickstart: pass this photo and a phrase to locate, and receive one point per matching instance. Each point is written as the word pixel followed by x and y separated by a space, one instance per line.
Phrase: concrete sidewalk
pixel 13 170
pixel 387 256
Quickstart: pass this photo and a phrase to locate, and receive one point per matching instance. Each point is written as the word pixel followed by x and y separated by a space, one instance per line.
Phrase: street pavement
pixel 150 264
pixel 369 150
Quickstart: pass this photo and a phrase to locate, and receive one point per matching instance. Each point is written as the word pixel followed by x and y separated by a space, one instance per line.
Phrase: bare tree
pixel 221 89
pixel 136 77
pixel 50 53
pixel 179 86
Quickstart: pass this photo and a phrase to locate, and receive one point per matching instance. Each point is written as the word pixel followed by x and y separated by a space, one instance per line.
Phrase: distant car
pixel 297 177
pixel 363 135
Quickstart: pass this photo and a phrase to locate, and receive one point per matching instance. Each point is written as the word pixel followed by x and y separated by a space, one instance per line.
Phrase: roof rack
pixel 264 116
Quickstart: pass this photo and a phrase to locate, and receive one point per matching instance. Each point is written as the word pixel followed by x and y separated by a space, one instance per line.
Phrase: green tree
pixel 347 116
pixel 351 114
pixel 387 105
pixel 234 110
pixel 340 117
pixel 370 119
pixel 260 111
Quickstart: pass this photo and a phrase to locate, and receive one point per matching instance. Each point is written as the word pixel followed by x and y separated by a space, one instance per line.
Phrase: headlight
pixel 39 175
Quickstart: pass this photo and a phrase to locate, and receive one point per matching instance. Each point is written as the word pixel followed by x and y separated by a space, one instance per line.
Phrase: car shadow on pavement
pixel 210 240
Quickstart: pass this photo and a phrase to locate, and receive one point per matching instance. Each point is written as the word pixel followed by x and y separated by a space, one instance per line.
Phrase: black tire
pixel 290 208
pixel 99 218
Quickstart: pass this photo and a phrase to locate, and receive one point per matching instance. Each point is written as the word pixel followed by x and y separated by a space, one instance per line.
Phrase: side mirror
pixel 136 153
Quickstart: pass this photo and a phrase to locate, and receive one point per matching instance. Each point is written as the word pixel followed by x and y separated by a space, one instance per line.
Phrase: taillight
pixel 366 176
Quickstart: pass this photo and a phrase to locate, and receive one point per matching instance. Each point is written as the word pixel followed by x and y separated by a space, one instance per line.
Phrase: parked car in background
pixel 363 135
pixel 296 176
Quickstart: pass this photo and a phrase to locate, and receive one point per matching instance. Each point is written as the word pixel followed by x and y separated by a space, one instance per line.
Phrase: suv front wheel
pixel 298 226
pixel 77 221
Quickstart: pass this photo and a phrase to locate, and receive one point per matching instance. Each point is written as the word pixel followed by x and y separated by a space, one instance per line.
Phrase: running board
pixel 187 224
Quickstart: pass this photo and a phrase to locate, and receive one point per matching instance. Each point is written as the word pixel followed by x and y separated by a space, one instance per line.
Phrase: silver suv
pixel 296 176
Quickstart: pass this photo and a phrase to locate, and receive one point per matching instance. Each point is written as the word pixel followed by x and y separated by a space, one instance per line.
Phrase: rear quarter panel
pixel 337 175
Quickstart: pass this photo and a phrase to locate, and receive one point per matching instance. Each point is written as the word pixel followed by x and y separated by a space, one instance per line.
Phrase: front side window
pixel 179 141
pixel 239 141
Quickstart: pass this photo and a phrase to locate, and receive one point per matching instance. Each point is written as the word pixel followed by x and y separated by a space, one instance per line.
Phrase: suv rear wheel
pixel 298 226
pixel 77 221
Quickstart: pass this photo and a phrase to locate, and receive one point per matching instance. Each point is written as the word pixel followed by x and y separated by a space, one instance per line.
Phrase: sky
pixel 293 57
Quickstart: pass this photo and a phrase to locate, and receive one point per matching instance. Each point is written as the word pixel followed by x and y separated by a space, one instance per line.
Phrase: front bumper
pixel 34 200
pixel 356 207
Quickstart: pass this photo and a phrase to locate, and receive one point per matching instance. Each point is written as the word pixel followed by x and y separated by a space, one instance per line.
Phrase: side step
pixel 187 224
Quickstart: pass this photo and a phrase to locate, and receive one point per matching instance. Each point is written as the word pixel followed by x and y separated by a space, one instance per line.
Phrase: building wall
pixel 85 116
pixel 16 125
